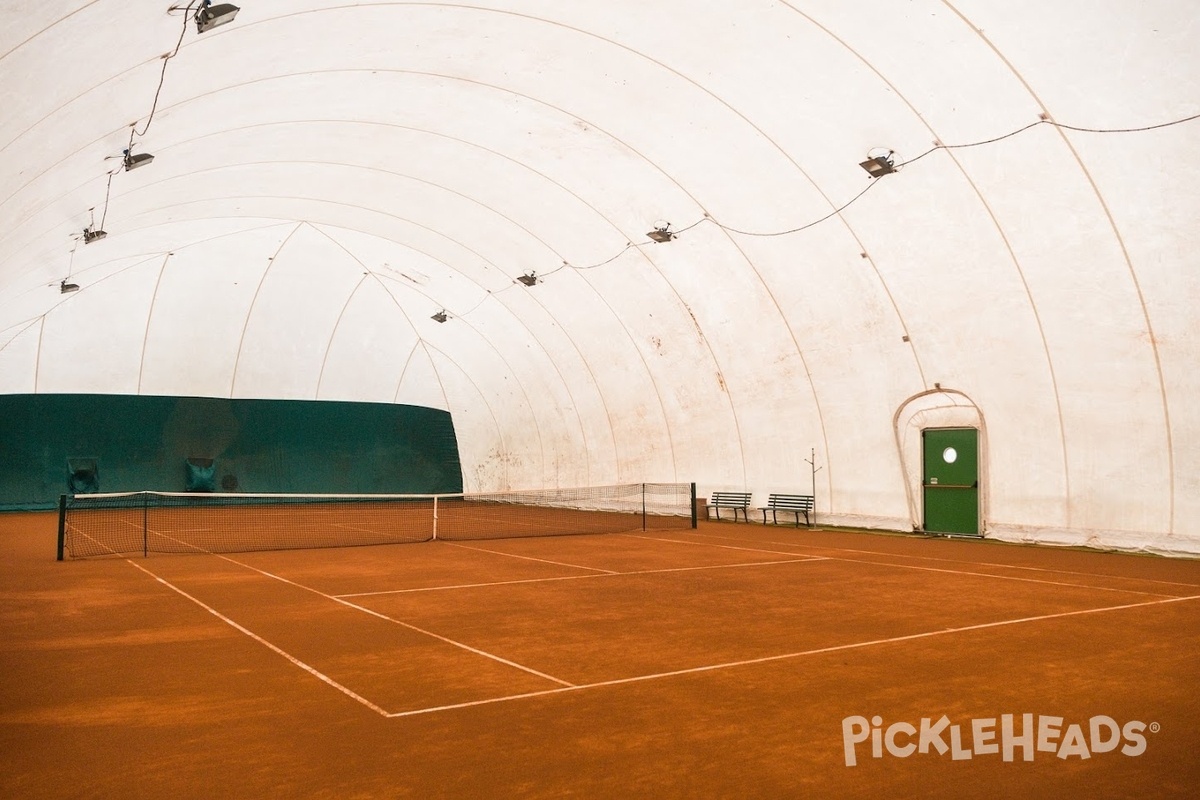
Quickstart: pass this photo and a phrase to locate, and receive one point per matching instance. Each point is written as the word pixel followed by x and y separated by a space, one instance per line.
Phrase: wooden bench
pixel 734 500
pixel 795 503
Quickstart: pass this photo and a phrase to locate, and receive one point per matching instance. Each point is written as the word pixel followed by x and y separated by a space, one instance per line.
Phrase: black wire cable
pixel 833 213
pixel 851 201
pixel 1056 125
pixel 133 131
pixel 107 191
pixel 621 252
pixel 1126 130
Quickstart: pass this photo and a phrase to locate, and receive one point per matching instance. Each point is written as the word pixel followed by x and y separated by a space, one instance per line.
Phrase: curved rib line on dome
pixel 37 361
pixel 482 396
pixel 38 357
pixel 334 329
pixel 26 323
pixel 237 356
pixel 152 60
pixel 1152 341
pixel 999 229
pixel 316 201
pixel 520 382
pixel 379 170
pixel 150 319
pixel 419 343
pixel 541 447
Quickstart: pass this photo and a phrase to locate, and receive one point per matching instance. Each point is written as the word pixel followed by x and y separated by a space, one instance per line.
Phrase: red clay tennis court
pixel 732 660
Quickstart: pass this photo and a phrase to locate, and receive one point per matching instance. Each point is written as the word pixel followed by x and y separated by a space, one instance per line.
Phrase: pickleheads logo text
pixel 990 736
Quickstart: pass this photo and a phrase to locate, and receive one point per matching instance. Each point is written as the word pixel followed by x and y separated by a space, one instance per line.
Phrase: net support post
pixel 695 524
pixel 644 507
pixel 145 525
pixel 435 518
pixel 62 525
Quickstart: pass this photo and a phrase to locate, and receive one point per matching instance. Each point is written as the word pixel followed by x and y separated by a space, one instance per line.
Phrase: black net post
pixel 643 506
pixel 695 524
pixel 62 524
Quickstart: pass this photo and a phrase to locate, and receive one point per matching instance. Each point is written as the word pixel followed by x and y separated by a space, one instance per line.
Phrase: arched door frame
pixel 937 408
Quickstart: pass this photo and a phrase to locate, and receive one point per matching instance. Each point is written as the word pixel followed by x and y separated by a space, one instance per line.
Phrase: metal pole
pixel 62 524
pixel 812 461
pixel 694 523
pixel 435 518
pixel 145 525
pixel 643 506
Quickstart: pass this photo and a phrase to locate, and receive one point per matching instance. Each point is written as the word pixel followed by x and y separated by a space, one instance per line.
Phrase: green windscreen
pixel 120 443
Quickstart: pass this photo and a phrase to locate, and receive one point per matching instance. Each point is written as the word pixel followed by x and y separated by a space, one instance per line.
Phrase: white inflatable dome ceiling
pixel 327 178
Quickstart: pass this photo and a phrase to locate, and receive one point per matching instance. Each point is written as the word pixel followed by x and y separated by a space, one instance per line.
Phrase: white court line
pixel 999 577
pixel 933 569
pixel 787 656
pixel 706 544
pixel 803 560
pixel 460 645
pixel 311 670
pixel 530 558
pixel 960 561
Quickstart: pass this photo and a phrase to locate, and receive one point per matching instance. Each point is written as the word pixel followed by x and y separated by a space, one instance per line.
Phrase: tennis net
pixel 140 523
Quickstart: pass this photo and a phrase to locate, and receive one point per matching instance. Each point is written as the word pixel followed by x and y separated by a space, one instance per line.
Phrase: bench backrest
pixel 730 499
pixel 799 501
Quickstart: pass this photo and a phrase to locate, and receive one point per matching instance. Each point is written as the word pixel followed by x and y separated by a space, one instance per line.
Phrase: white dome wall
pixel 325 179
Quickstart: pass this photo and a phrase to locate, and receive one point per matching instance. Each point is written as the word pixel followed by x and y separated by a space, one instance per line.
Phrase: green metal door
pixel 951 480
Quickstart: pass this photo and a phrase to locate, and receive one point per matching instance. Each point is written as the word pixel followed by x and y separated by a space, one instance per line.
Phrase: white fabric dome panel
pixel 325 179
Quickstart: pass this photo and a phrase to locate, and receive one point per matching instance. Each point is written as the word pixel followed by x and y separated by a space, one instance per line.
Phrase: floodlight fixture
pixel 67 288
pixel 440 316
pixel 529 280
pixel 209 16
pixel 134 161
pixel 91 235
pixel 661 233
pixel 878 166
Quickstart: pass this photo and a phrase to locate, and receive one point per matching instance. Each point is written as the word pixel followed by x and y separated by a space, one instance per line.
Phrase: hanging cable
pixel 851 201
pixel 107 191
pixel 1056 125
pixel 1125 130
pixel 833 213
pixel 133 131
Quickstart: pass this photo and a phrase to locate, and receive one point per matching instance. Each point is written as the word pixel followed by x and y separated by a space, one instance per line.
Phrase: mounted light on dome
pixel 67 288
pixel 134 161
pixel 878 166
pixel 661 232
pixel 440 316
pixel 91 235
pixel 209 16
pixel 529 280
